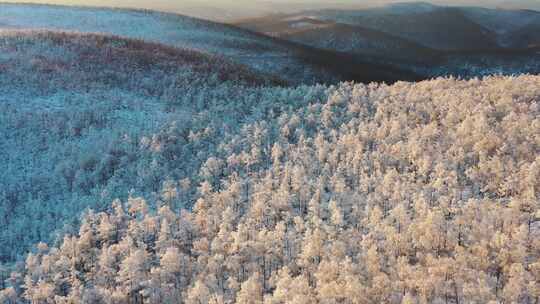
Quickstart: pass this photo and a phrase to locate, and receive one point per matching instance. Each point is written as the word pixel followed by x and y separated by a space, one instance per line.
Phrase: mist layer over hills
pixel 231 10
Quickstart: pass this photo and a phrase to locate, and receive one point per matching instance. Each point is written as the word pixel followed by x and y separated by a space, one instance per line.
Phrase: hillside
pixel 411 193
pixel 527 36
pixel 292 62
pixel 514 28
pixel 444 29
pixel 83 116
pixel 441 28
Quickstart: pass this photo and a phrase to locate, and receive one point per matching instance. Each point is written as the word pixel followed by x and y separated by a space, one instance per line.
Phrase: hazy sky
pixel 230 9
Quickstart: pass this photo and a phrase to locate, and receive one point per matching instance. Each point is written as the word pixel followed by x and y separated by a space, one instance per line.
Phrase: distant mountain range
pixel 428 39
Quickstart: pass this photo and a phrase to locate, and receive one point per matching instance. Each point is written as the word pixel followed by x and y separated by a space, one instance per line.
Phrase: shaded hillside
pixel 526 36
pixel 445 28
pixel 514 28
pixel 439 28
pixel 358 40
pixel 501 21
pixel 346 66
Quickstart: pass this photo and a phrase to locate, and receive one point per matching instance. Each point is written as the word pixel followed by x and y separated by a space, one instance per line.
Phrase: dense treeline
pixel 411 193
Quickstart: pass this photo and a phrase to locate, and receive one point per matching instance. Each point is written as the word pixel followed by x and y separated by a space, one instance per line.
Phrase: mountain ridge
pixel 427 39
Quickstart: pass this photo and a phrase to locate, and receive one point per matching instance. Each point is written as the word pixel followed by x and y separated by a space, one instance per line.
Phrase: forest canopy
pixel 404 193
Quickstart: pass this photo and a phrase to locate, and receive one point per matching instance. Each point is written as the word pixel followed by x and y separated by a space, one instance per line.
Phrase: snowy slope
pixel 85 118
pixel 514 28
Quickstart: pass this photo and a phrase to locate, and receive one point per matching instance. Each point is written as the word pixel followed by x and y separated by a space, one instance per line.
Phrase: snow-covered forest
pixel 146 171
pixel 411 193
pixel 83 122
